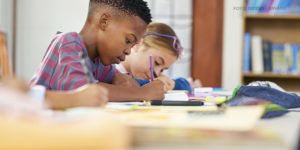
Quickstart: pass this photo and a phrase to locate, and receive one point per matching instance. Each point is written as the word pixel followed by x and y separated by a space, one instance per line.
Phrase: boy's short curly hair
pixel 129 7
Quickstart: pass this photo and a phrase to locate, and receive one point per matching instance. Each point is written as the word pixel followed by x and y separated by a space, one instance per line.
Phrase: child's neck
pixel 89 41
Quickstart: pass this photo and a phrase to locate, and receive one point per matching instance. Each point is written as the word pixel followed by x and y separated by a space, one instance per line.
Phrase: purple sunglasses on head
pixel 176 44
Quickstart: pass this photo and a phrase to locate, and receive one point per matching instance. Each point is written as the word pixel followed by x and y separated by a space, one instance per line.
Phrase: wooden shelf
pixel 277 29
pixel 268 16
pixel 271 75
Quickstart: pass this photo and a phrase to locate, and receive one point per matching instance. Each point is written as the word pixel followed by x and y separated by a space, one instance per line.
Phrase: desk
pixel 286 126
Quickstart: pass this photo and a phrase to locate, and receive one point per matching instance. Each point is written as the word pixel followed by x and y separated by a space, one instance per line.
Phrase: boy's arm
pixel 125 80
pixel 152 91
pixel 90 95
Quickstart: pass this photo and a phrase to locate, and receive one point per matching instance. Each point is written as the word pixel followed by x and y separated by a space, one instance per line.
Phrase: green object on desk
pixel 134 107
pixel 274 107
pixel 235 90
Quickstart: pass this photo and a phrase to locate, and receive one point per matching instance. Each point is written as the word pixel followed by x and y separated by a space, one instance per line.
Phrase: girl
pixel 160 42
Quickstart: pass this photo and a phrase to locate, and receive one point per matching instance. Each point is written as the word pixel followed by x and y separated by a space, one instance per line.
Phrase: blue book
pixel 296 7
pixel 288 54
pixel 296 58
pixel 249 6
pixel 253 7
pixel 278 58
pixel 264 6
pixel 247 53
pixel 287 7
pixel 281 7
pixel 267 56
pixel 257 6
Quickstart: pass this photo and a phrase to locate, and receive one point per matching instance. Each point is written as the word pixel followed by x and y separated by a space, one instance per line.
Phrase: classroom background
pixel 226 43
pixel 212 33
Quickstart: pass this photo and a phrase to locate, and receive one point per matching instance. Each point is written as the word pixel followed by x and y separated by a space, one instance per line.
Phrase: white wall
pixel 232 44
pixel 38 21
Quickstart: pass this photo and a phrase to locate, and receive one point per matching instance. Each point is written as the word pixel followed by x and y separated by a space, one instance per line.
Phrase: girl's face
pixel 162 59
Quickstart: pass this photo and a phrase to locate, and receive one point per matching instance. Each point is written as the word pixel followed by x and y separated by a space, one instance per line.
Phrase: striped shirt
pixel 62 69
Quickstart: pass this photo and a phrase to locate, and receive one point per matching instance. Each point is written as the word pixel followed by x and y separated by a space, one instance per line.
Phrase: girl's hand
pixel 154 90
pixel 194 83
pixel 169 83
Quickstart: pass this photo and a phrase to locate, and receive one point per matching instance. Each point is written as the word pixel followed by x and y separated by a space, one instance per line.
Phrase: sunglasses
pixel 176 43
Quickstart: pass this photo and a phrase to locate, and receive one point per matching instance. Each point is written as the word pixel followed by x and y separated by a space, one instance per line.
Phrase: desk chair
pixel 5 68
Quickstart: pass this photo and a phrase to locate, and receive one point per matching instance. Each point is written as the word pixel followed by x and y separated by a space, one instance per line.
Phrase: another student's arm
pixel 170 84
pixel 152 91
pixel 90 95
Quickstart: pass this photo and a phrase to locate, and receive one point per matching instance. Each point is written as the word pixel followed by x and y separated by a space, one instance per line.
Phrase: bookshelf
pixel 277 29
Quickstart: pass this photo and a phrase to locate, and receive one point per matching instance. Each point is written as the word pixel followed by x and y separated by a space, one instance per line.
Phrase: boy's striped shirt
pixel 61 67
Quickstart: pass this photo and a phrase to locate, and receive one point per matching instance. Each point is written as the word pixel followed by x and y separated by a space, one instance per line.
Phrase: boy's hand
pixel 125 80
pixel 90 95
pixel 169 83
pixel 155 90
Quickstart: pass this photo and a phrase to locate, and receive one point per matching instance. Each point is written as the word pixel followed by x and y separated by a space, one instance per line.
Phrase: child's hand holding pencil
pixel 169 83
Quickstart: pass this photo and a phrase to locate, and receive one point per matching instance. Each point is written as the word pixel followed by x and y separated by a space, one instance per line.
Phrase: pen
pixel 176 103
pixel 85 68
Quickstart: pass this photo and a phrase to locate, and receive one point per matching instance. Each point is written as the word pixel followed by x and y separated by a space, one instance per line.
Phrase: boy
pixel 112 28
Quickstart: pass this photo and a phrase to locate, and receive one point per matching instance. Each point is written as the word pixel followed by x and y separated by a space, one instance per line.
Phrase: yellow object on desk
pixel 97 131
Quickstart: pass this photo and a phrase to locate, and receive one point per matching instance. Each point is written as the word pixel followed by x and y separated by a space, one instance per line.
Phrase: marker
pixel 85 68
pixel 151 68
pixel 176 103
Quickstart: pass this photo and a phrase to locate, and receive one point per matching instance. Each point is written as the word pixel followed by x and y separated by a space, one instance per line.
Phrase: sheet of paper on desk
pixel 180 96
pixel 233 119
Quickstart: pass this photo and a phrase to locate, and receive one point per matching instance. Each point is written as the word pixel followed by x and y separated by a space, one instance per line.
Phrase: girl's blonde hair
pixel 160 42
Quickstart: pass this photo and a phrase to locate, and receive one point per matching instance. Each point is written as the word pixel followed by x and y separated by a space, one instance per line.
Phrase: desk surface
pixel 287 126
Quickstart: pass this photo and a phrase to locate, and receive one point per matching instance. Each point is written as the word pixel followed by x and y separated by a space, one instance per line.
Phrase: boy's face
pixel 140 61
pixel 117 38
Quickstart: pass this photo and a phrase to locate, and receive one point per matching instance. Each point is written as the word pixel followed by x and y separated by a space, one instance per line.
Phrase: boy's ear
pixel 103 21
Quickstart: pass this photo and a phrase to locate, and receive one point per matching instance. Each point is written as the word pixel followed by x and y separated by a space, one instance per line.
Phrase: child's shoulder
pixel 68 37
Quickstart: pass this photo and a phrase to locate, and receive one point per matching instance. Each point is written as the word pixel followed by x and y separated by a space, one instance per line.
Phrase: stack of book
pixel 264 56
pixel 275 7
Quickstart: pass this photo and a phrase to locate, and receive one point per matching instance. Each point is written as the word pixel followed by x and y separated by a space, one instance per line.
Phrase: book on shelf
pixel 267 55
pixel 278 58
pixel 273 7
pixel 261 55
pixel 247 53
pixel 257 56
pixel 296 58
